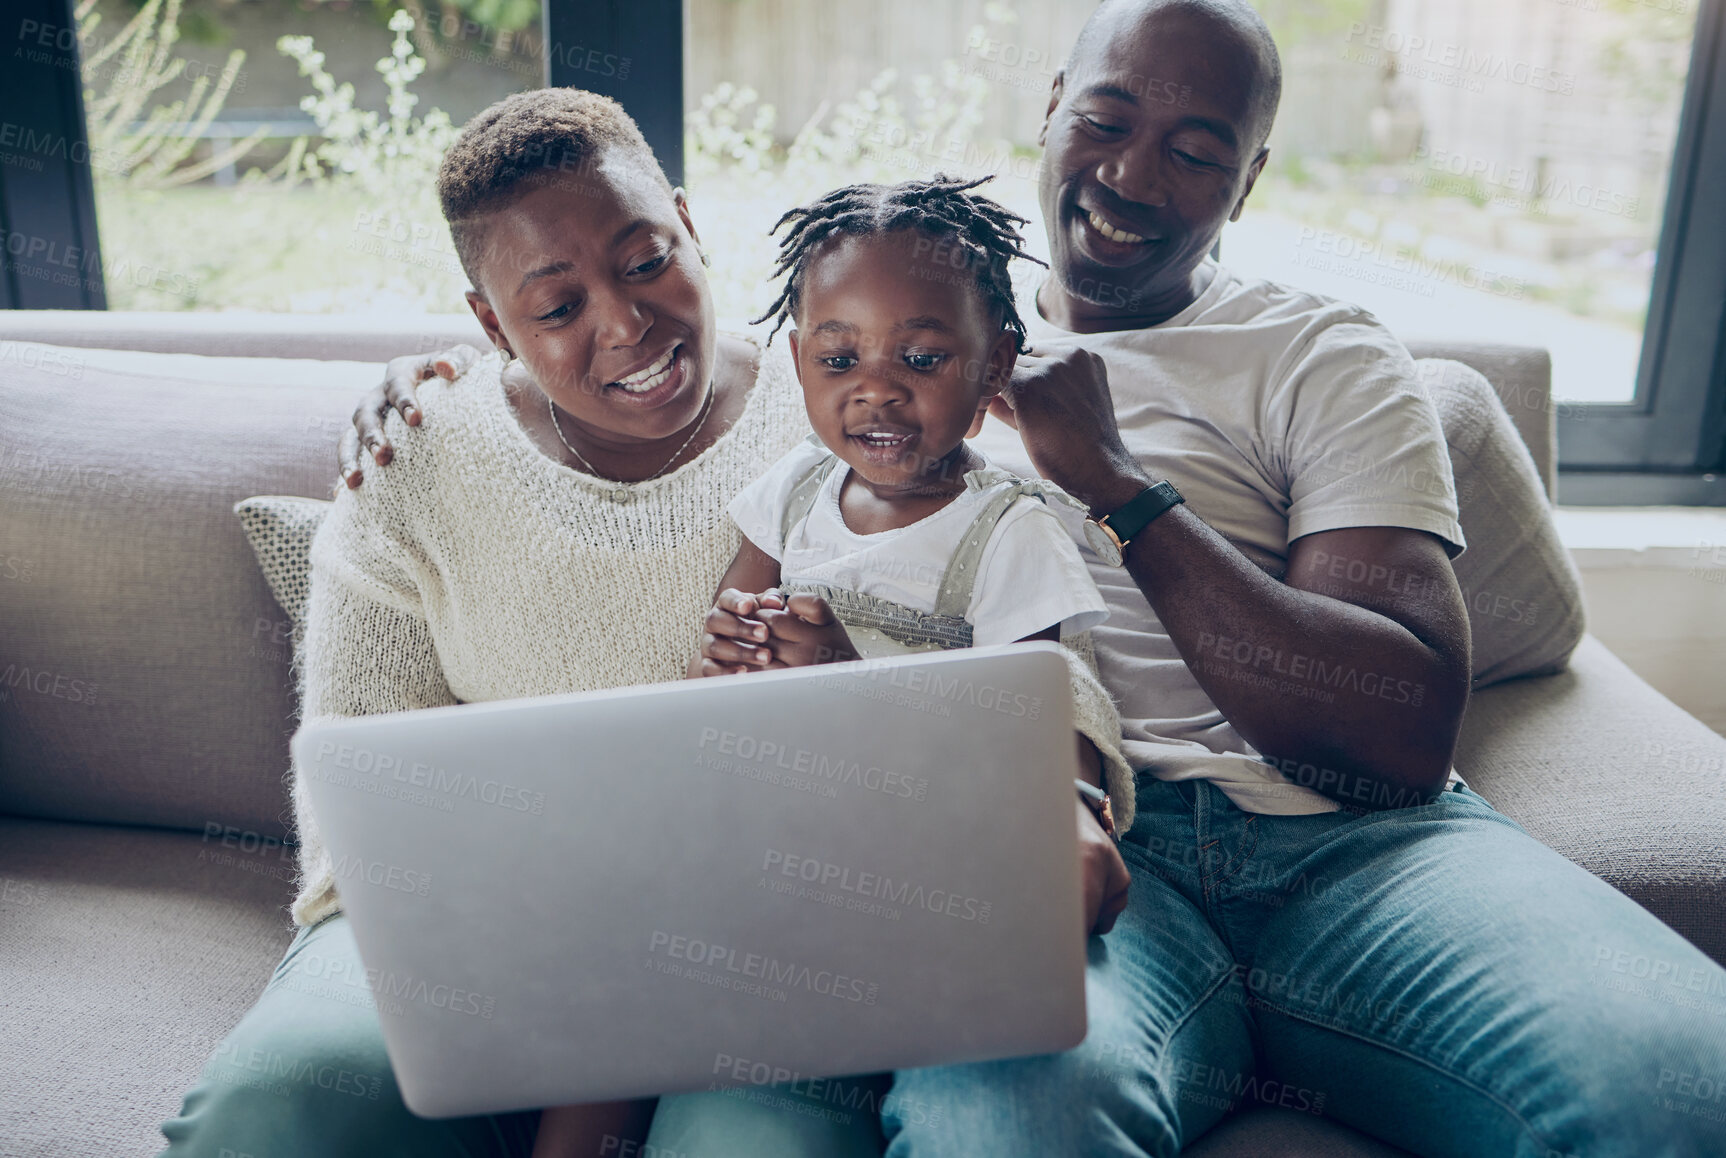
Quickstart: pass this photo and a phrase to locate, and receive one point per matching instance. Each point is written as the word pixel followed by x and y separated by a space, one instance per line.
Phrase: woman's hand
pixel 395 392
pixel 1103 876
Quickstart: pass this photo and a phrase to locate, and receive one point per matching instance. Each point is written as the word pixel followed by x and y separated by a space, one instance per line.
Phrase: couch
pixel 145 708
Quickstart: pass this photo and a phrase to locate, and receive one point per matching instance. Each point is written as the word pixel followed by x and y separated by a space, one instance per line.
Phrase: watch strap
pixel 1139 511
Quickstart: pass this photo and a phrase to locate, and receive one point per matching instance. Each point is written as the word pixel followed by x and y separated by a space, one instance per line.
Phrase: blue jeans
pixel 1431 976
pixel 304 1075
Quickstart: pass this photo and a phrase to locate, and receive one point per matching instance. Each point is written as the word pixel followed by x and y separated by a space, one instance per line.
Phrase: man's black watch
pixel 1109 535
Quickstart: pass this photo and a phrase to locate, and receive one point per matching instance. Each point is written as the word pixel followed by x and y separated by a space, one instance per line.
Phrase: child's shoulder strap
pixel 960 578
pixel 801 500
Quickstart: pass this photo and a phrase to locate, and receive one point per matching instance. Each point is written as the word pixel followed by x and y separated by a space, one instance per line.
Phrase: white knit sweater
pixel 476 568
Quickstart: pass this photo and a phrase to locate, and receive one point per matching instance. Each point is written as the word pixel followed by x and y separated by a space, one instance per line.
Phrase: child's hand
pixel 806 632
pixel 733 641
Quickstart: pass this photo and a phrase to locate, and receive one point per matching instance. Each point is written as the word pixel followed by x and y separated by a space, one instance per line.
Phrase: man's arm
pixel 1357 692
pixel 1363 684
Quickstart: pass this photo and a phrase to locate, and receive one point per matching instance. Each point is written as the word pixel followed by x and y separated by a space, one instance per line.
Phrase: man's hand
pixel 1102 874
pixel 395 392
pixel 1061 406
pixel 805 632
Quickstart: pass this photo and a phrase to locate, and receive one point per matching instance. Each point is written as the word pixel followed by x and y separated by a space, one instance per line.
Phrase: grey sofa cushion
pixel 1601 767
pixel 128 954
pixel 1523 593
pixel 158 685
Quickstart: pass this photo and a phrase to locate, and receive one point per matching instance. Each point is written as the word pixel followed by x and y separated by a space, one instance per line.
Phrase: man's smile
pixel 1113 232
pixel 1111 238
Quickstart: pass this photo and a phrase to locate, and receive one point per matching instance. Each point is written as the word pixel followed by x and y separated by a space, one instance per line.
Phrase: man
pixel 1318 917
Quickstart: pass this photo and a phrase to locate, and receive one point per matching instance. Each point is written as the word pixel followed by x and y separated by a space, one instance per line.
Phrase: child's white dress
pixel 992 566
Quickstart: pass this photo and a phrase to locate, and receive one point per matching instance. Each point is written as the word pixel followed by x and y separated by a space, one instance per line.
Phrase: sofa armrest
pixel 1596 764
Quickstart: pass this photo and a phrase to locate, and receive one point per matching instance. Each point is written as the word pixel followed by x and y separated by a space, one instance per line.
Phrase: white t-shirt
pixel 1277 414
pixel 1030 576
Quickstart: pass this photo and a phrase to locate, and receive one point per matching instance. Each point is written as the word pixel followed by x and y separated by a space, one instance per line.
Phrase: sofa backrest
pixel 144 667
pixel 245 333
pixel 1522 375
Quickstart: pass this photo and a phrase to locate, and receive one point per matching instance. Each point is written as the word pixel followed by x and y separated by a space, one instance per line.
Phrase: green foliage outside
pixel 134 136
pixel 349 223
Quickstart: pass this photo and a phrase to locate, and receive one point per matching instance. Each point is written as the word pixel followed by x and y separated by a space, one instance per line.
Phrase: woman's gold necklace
pixel 700 421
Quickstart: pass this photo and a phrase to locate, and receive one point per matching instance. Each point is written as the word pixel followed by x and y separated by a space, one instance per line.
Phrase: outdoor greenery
pixel 393 159
pixel 1294 22
pixel 351 223
pixel 134 135
pixel 348 220
pixel 205 21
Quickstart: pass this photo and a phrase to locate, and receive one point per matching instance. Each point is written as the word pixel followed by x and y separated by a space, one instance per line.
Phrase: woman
pixel 559 525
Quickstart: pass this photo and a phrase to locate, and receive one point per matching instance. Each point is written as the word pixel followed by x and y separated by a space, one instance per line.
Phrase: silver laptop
pixel 751 879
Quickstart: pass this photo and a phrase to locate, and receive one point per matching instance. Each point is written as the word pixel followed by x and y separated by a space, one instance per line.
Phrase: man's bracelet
pixel 1097 801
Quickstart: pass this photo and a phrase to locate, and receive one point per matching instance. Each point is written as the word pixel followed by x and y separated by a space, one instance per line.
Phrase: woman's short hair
pixel 984 238
pixel 547 136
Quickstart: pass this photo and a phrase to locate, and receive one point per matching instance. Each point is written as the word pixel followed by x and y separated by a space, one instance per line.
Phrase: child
pixel 886 533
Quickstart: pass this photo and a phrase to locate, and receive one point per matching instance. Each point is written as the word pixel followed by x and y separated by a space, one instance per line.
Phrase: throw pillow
pixel 1523 593
pixel 280 529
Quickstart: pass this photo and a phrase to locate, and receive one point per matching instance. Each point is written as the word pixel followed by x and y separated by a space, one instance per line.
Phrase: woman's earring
pixel 705 260
pixel 505 353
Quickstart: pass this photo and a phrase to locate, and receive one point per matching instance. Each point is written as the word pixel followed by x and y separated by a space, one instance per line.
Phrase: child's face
pixel 898 355
pixel 599 279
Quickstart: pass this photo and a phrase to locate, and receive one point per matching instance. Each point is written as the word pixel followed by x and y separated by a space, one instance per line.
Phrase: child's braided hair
pixel 984 232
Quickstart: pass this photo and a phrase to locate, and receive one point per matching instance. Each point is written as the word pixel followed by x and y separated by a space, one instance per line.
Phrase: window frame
pixel 1667 446
pixel 601 45
pixel 47 194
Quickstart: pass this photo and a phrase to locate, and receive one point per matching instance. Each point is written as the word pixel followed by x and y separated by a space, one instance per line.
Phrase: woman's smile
pixel 655 384
pixel 641 381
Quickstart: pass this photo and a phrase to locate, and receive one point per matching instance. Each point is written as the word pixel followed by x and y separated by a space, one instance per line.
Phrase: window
pixel 1533 172
pixel 218 188
pixel 1540 172
pixel 1492 170
pixel 1667 444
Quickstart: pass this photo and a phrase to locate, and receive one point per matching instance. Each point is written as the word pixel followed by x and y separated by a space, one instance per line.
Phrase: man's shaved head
pixel 1239 28
pixel 1153 139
